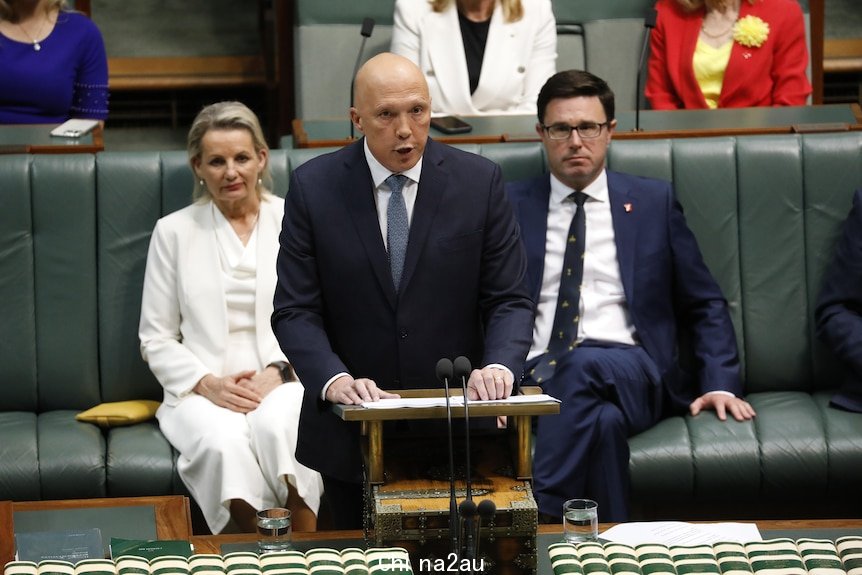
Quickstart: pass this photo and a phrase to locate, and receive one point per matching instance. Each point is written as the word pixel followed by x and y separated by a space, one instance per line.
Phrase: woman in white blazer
pixel 520 52
pixel 231 402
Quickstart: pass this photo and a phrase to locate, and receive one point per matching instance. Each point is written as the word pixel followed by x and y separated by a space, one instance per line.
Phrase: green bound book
pixel 150 549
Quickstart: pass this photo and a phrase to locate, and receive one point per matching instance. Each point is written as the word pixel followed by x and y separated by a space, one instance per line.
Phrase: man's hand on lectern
pixel 489 383
pixel 351 391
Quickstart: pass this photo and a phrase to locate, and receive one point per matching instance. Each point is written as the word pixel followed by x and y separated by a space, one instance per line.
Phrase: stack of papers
pixel 454 401
pixel 681 533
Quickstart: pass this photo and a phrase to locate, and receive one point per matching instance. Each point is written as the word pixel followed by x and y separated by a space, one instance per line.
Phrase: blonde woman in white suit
pixel 480 57
pixel 231 402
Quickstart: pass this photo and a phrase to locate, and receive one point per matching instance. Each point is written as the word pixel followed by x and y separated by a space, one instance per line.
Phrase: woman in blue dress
pixel 52 64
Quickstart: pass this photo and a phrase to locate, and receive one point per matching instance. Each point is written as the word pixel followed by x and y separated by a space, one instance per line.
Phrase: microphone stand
pixel 649 24
pixel 444 373
pixel 462 369
pixel 367 28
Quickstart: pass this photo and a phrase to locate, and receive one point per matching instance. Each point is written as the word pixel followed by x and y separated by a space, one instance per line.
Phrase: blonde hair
pixel 513 10
pixel 9 11
pixel 226 116
pixel 720 5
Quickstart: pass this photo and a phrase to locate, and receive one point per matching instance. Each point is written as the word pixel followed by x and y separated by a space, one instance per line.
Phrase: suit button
pixel 403 333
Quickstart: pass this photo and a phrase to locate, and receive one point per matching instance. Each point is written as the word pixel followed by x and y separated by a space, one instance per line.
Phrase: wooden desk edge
pixel 213 543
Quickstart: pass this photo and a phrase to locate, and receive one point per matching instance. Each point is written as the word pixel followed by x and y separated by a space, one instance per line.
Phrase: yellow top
pixel 709 66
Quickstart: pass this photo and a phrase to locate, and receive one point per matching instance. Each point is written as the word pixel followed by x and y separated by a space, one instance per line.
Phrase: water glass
pixel 273 530
pixel 580 520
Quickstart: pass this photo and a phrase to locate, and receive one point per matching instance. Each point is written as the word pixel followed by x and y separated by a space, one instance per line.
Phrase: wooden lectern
pixel 407 480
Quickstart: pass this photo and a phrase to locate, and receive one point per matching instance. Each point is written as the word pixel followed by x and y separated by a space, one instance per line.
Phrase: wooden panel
pixel 173 513
pixel 185 72
pixel 82 6
pixel 7 542
pixel 842 55
pixel 816 23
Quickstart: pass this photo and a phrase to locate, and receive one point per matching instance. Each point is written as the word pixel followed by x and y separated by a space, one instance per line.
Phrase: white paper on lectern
pixel 681 533
pixel 454 401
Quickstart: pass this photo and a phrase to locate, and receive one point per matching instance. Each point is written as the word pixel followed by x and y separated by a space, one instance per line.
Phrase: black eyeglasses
pixel 587 130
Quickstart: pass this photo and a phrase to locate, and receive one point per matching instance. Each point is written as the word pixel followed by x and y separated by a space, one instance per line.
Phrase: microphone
pixel 486 510
pixel 444 374
pixel 468 511
pixel 367 28
pixel 462 369
pixel 649 24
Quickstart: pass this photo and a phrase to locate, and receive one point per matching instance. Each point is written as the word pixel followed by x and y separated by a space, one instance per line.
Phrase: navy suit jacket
pixel 336 308
pixel 667 285
pixel 839 307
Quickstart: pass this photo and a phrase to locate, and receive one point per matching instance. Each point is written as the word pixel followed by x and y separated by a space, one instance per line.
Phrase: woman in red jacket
pixel 728 54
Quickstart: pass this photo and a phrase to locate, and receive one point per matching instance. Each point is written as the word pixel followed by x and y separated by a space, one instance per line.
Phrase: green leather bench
pixel 74 232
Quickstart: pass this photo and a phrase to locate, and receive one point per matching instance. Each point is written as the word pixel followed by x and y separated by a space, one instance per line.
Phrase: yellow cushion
pixel 120 413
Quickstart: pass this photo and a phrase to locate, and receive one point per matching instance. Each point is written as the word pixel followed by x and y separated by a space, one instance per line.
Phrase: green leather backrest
pixel 832 167
pixel 18 389
pixel 310 12
pixel 63 197
pixel 326 44
pixel 130 202
pixel 609 44
pixel 518 161
pixel 766 211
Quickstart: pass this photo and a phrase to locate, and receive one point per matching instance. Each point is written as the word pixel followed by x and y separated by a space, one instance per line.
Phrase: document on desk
pixel 454 401
pixel 681 533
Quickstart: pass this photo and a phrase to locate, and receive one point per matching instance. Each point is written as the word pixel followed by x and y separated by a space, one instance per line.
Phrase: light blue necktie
pixel 397 227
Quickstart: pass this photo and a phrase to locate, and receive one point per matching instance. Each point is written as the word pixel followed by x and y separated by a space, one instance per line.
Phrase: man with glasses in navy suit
pixel 615 273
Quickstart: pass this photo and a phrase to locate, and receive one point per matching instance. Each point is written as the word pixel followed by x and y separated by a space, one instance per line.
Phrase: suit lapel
pixel 446 53
pixel 204 269
pixel 533 218
pixel 358 193
pixel 734 76
pixel 691 33
pixel 502 39
pixel 625 217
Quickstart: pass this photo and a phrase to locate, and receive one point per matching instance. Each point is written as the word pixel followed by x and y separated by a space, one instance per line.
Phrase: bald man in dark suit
pixel 352 318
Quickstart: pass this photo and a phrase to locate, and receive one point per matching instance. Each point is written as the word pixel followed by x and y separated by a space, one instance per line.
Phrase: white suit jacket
pixel 183 328
pixel 519 57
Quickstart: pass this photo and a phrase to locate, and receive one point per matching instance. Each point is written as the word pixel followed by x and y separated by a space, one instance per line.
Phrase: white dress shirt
pixel 603 307
pixel 382 192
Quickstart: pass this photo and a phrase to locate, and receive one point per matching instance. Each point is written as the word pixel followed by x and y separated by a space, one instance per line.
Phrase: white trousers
pixel 226 455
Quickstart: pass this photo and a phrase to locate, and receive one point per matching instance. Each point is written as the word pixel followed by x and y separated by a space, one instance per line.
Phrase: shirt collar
pixel 597 190
pixel 379 172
